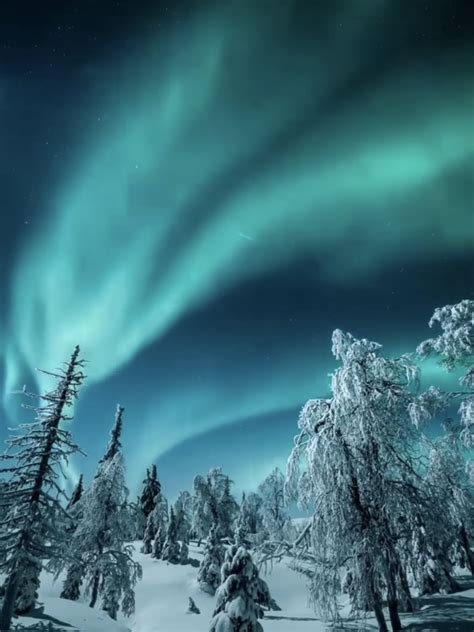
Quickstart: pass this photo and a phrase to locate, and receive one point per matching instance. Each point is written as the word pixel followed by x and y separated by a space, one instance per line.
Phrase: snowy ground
pixel 162 600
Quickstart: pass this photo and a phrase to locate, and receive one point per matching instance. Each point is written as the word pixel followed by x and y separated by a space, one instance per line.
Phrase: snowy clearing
pixel 162 601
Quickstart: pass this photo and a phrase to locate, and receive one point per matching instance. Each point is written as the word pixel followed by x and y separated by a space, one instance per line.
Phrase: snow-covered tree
pixel 114 446
pixel 243 596
pixel 241 529
pixel 204 509
pixel 251 516
pixel 157 519
pixel 98 543
pixel 274 514
pixel 209 574
pixel 73 581
pixel 31 499
pixel 183 515
pixel 149 535
pixel 158 543
pixel 154 507
pixel 151 489
pixel 455 345
pixel 137 521
pixel 451 472
pixel 183 553
pixel 449 541
pixel 227 509
pixel 358 455
pixel 213 504
pixel 171 548
pixel 76 494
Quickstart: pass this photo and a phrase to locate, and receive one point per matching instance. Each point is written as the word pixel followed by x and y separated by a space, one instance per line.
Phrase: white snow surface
pixel 162 602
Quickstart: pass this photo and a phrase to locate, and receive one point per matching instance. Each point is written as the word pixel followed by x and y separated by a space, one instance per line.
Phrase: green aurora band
pixel 224 158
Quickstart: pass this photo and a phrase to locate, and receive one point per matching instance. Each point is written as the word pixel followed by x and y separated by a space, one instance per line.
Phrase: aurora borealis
pixel 210 190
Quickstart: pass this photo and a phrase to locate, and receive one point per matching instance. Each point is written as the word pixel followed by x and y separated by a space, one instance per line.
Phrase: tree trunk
pixel 406 602
pixel 379 615
pixel 392 600
pixel 467 549
pixel 95 589
pixel 9 602
pixel 394 616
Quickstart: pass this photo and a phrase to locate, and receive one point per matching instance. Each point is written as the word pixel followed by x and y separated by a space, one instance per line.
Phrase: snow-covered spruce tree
pixel 155 509
pixel 76 494
pixel 75 571
pixel 209 574
pixel 151 489
pixel 358 449
pixel 251 517
pixel 241 532
pixel 158 543
pixel 213 504
pixel 242 597
pixel 157 519
pixel 171 549
pixel 72 584
pixel 276 520
pixel 99 539
pixel 204 509
pixel 137 521
pixel 183 553
pixel 149 535
pixel 183 515
pixel 227 509
pixel 31 499
pixel 114 446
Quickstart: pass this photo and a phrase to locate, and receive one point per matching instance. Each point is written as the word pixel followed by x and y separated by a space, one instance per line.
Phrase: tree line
pixel 391 509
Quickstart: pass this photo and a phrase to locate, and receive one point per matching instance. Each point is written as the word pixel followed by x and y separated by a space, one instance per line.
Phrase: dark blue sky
pixel 199 194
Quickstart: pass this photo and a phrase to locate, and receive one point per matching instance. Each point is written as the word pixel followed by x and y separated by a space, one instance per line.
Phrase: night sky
pixel 198 193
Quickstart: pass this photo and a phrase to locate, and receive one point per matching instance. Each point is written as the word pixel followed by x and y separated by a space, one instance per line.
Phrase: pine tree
pixel 183 553
pixel 204 508
pixel 171 552
pixel 157 519
pixel 149 535
pixel 76 494
pixel 209 574
pixel 73 581
pixel 183 513
pixel 158 543
pixel 114 446
pixel 31 499
pixel 227 510
pixel 242 597
pixel 151 489
pixel 137 521
pixel 98 543
pixel 251 517
pixel 213 504
pixel 241 536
